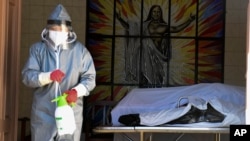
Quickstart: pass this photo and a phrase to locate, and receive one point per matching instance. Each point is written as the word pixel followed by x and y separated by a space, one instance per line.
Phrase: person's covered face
pixel 156 13
pixel 58 34
pixel 59 24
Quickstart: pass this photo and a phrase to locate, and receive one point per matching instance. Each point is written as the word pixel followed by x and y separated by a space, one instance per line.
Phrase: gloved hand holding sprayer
pixel 57 75
pixel 64 115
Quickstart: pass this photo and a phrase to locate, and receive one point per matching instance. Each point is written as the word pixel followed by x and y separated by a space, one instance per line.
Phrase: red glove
pixel 57 75
pixel 71 96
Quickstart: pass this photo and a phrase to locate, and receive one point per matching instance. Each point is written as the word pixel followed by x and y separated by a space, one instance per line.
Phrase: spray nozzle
pixel 61 100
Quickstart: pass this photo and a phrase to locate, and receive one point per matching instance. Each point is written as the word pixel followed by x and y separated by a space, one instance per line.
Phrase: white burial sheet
pixel 160 106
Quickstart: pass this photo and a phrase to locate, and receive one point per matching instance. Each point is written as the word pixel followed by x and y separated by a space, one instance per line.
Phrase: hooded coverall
pixel 75 61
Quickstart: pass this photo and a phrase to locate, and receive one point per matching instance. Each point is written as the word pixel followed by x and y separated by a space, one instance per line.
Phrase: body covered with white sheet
pixel 158 106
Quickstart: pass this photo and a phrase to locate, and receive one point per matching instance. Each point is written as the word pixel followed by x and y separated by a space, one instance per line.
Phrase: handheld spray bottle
pixel 64 115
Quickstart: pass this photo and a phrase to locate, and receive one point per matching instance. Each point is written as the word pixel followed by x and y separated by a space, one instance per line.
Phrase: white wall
pixel 235 42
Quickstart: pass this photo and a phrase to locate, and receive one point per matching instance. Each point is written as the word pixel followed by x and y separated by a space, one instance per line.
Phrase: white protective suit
pixel 75 61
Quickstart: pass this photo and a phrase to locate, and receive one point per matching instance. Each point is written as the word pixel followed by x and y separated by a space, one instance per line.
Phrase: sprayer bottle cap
pixel 61 100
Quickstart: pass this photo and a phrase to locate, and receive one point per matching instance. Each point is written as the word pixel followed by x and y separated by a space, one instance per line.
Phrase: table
pixel 161 129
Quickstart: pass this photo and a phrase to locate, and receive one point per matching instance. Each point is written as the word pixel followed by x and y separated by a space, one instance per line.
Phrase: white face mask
pixel 58 37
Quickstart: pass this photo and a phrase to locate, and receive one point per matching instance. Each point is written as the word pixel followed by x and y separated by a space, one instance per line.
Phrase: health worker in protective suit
pixel 58 64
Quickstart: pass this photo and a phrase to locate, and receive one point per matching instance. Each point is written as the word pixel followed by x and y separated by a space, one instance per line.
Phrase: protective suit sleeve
pixel 88 75
pixel 44 78
pixel 81 90
pixel 32 69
